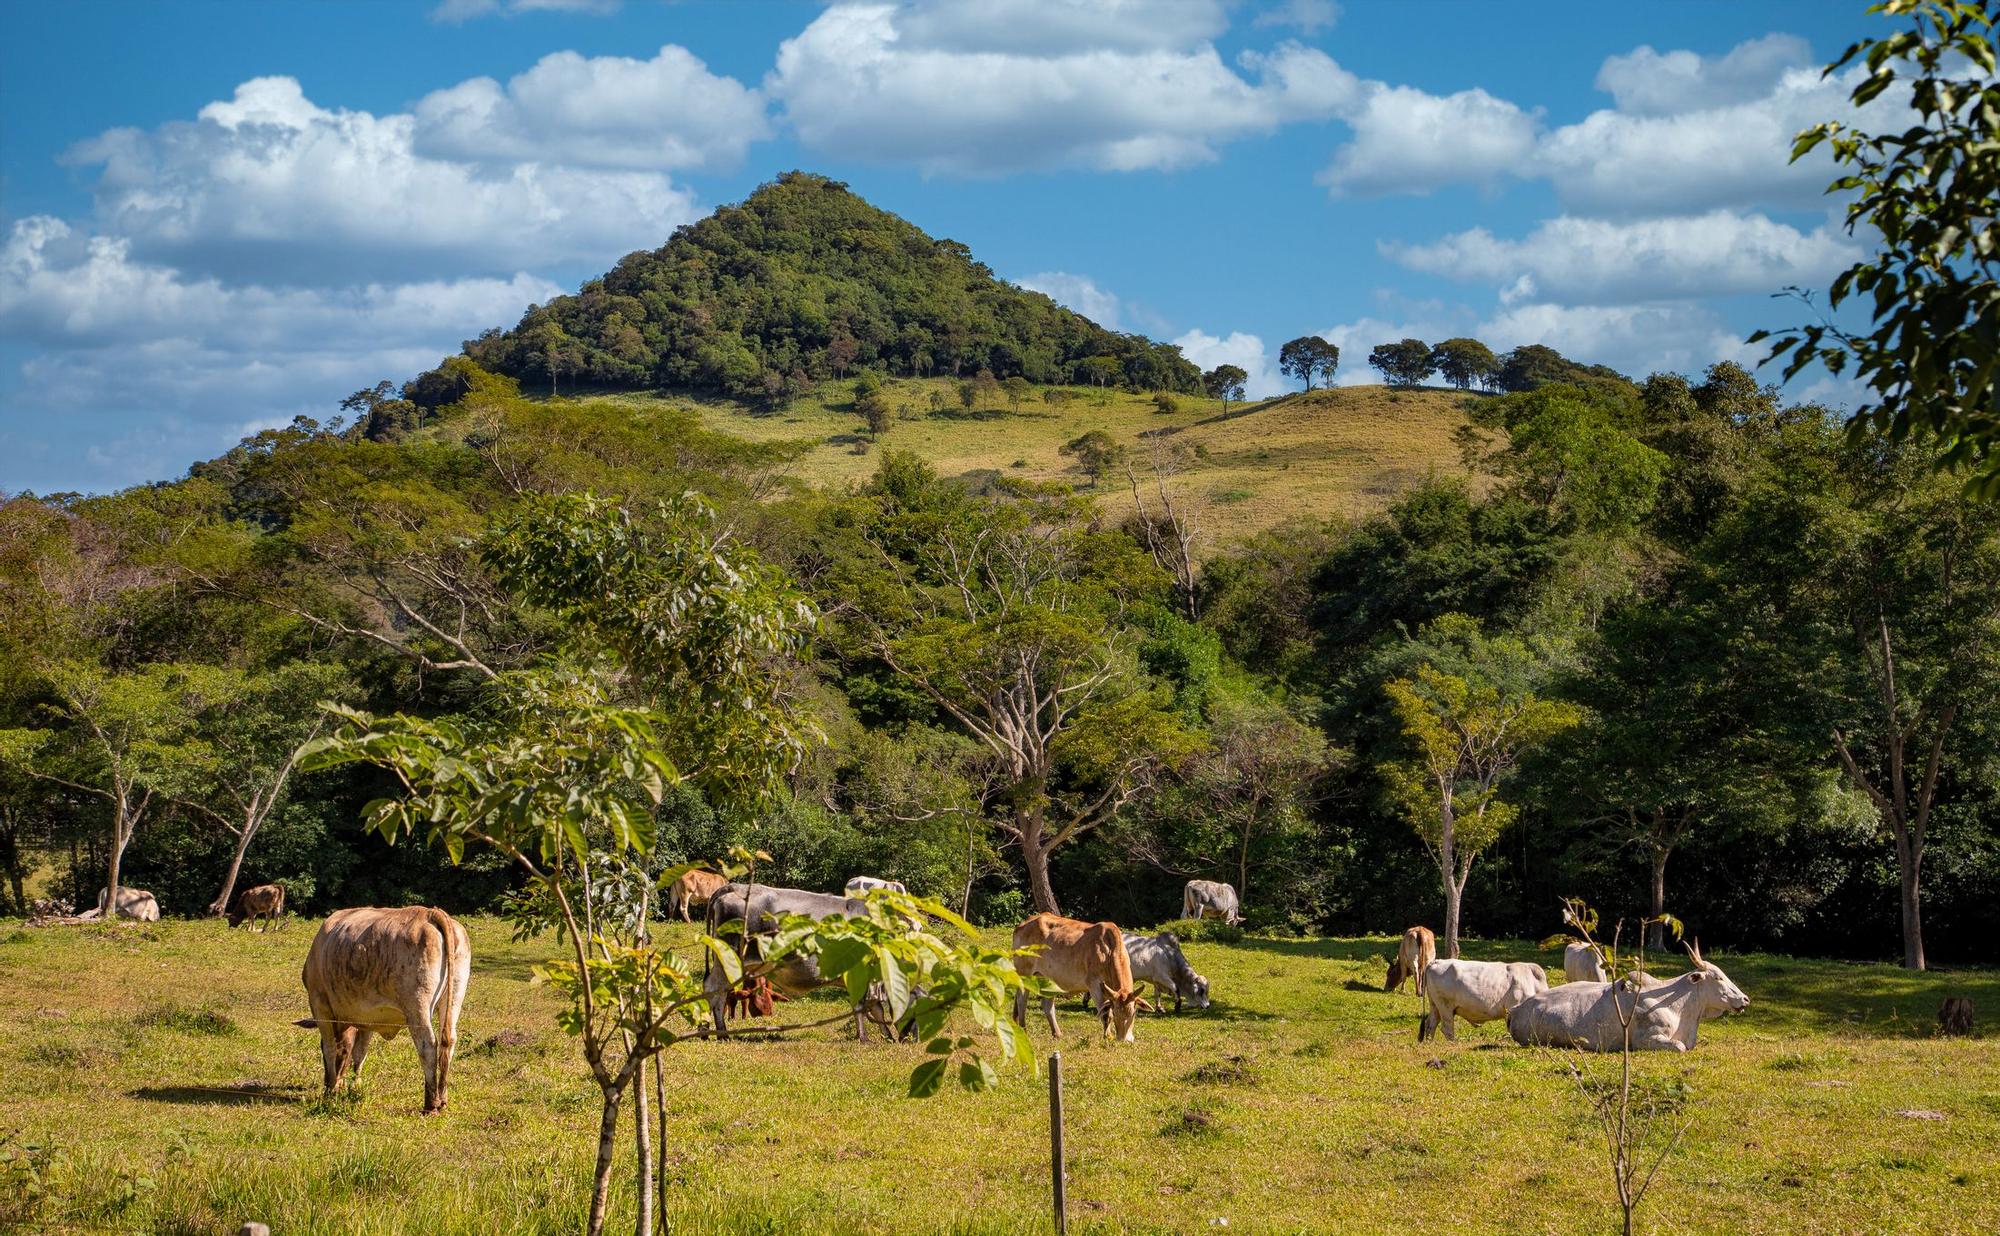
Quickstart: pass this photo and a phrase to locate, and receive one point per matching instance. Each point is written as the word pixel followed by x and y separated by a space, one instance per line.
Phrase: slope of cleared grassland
pixel 157 1073
pixel 1329 454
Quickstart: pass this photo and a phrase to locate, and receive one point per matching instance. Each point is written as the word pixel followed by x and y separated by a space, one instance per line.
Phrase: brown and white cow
pixel 692 892
pixel 266 901
pixel 1079 957
pixel 377 971
pixel 1419 948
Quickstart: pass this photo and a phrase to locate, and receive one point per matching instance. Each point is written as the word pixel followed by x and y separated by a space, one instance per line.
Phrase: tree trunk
pixel 642 1147
pixel 118 836
pixel 1910 860
pixel 220 905
pixel 1656 932
pixel 607 1146
pixel 1453 891
pixel 10 858
pixel 1035 857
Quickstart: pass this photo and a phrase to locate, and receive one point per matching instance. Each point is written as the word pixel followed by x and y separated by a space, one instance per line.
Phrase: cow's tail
pixel 445 1003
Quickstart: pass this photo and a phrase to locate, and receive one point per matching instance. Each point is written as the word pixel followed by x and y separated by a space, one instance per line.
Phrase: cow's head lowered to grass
pixel 1120 1011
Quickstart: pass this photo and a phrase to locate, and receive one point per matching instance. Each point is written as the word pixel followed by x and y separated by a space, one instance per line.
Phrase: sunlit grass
pixel 1300 1102
pixel 1331 454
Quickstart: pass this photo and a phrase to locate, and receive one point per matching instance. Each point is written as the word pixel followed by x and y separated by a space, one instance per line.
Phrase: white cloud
pixel 1118 98
pixel 196 358
pixel 1309 16
pixel 1408 141
pixel 1077 292
pixel 1246 351
pixel 1645 82
pixel 269 186
pixel 666 113
pixel 1571 260
pixel 1737 154
pixel 454 11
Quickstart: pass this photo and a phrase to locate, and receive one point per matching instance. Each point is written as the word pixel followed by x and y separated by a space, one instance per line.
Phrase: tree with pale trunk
pixel 1467 732
pixel 1008 615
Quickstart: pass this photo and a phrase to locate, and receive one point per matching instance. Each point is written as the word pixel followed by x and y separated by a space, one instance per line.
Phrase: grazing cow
pixel 266 901
pixel 861 884
pixel 1479 991
pixel 377 971
pixel 1079 957
pixel 692 891
pixel 1582 963
pixel 1419 948
pixel 757 913
pixel 1210 899
pixel 1158 960
pixel 1665 1016
pixel 133 903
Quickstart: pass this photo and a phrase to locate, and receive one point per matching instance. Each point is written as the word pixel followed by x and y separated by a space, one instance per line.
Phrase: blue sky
pixel 217 216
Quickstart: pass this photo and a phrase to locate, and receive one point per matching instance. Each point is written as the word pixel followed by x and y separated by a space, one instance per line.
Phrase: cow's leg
pixel 363 1039
pixel 1021 1009
pixel 1049 1011
pixel 715 986
pixel 1448 1023
pixel 424 1039
pixel 1177 998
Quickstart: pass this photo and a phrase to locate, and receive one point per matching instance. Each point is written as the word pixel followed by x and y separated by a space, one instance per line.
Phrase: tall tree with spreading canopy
pixel 1010 615
pixel 1405 363
pixel 1468 714
pixel 1930 362
pixel 1307 357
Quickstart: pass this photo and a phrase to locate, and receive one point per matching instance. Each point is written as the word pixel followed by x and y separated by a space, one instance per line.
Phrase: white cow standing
pixel 1210 899
pixel 1478 991
pixel 1582 963
pixel 1666 1015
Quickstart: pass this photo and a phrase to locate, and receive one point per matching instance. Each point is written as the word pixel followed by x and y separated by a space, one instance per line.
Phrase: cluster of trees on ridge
pixel 1462 362
pixel 1645 663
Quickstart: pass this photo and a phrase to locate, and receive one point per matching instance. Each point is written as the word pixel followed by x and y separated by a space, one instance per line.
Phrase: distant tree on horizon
pixel 1225 382
pixel 1405 363
pixel 1309 356
pixel 1464 361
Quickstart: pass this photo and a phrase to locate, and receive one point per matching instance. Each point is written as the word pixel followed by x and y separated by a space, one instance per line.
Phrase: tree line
pixel 1682 647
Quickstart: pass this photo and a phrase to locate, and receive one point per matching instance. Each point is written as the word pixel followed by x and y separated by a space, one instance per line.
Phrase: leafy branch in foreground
pixel 1931 191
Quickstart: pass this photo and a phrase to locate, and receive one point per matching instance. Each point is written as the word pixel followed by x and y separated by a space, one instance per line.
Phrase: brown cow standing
pixel 1419 948
pixel 266 901
pixel 375 971
pixel 1080 957
pixel 692 892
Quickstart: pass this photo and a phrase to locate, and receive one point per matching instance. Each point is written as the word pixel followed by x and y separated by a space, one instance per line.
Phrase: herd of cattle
pixel 377 972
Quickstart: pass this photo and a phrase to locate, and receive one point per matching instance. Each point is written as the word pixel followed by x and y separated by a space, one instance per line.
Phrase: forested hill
pixel 802 282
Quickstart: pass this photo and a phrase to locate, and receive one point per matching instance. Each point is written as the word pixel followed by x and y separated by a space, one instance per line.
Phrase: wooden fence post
pixel 1056 1142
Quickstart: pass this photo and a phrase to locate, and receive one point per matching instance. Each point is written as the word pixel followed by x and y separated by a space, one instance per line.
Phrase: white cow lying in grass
pixel 1666 1015
pixel 1479 991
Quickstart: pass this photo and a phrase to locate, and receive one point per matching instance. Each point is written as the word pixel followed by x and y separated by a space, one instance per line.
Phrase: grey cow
pixel 758 911
pixel 1158 960
pixel 1210 899
pixel 1666 1015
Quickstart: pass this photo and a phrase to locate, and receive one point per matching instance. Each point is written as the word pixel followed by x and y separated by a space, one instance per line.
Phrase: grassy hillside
pixel 157 1068
pixel 1341 452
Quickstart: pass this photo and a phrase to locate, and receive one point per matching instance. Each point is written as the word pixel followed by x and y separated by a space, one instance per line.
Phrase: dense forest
pixel 1675 646
pixel 801 282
